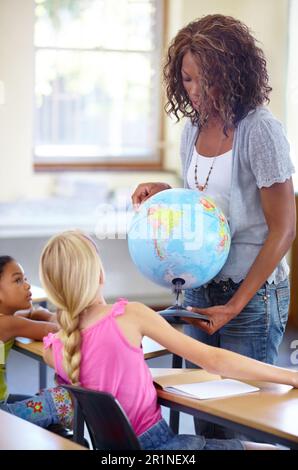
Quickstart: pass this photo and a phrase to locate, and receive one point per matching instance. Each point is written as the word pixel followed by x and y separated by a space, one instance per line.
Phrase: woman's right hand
pixel 146 190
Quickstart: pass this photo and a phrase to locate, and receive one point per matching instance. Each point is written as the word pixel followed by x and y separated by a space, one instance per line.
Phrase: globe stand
pixel 176 313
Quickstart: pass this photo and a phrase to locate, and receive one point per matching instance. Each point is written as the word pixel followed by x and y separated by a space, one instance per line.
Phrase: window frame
pixel 141 163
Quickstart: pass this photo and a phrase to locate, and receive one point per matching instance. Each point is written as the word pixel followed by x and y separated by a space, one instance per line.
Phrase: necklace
pixel 202 187
pixel 199 186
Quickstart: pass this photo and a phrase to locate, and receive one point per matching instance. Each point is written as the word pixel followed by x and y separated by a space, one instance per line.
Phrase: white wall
pixel 17 178
pixel 268 19
pixel 16 74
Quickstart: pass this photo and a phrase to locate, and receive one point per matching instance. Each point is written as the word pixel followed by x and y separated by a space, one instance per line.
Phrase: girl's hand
pixel 41 314
pixel 218 316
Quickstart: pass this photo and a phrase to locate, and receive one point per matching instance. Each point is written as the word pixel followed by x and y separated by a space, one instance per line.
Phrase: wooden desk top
pixel 18 434
pixel 274 409
pixel 151 348
pixel 35 347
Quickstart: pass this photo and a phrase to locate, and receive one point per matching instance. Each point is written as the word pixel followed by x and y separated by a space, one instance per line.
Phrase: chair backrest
pixel 106 421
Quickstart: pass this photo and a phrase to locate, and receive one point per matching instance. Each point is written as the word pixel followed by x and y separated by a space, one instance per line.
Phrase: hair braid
pixel 71 337
pixel 70 272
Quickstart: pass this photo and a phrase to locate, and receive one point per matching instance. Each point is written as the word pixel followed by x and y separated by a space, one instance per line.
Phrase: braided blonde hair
pixel 70 272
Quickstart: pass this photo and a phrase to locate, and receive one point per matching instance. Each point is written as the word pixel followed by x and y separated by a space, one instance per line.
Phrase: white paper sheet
pixel 212 389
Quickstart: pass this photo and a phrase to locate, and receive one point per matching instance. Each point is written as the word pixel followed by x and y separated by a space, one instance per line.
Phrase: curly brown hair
pixel 229 61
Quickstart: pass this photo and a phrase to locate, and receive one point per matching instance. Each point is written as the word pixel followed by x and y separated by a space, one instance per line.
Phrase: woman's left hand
pixel 218 316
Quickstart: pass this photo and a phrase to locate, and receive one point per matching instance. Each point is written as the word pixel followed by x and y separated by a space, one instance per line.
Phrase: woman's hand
pixel 218 316
pixel 146 190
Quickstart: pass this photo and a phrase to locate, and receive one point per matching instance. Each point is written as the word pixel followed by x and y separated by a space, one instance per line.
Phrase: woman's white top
pixel 219 184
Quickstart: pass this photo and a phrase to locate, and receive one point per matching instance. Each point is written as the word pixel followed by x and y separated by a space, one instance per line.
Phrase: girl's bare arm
pixel 12 326
pixel 214 360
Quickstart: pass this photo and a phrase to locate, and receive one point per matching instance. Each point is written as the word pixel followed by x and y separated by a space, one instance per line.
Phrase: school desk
pixel 18 434
pixel 270 415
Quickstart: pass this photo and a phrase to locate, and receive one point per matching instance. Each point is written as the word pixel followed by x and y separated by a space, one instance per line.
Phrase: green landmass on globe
pixel 179 233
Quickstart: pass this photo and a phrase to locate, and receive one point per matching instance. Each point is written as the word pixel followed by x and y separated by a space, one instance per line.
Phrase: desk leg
pixel 174 415
pixel 177 362
pixel 42 366
pixel 42 375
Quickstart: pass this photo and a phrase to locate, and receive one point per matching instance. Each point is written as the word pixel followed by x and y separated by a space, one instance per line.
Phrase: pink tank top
pixel 109 363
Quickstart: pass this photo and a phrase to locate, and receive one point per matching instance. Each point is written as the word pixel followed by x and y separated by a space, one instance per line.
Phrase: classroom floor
pixel 23 373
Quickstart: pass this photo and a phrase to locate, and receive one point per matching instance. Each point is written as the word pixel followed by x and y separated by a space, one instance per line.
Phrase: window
pixel 292 87
pixel 97 83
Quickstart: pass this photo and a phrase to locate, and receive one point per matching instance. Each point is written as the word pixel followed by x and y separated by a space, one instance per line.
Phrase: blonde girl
pixel 98 345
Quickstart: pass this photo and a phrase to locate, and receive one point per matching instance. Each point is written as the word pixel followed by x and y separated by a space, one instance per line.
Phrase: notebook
pixel 213 389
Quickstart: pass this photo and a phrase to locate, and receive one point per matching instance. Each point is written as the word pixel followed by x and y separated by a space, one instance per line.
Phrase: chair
pixel 106 421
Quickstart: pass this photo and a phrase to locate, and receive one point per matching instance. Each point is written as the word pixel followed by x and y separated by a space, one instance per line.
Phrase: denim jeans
pixel 256 332
pixel 161 437
pixel 52 406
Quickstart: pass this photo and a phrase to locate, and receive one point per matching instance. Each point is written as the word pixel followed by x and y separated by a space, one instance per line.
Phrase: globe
pixel 179 235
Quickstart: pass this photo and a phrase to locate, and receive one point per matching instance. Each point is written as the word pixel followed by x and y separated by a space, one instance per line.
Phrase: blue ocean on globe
pixel 179 233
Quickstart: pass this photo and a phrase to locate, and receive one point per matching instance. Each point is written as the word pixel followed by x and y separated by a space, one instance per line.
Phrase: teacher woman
pixel 234 150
